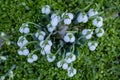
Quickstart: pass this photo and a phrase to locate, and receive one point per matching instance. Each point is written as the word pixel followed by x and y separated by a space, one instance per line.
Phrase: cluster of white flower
pixel 32 58
pixel 24 28
pixel 92 45
pixel 69 37
pixel 69 58
pixel 87 33
pixel 59 24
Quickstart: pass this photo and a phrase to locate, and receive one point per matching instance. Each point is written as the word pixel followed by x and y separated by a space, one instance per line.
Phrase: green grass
pixel 101 64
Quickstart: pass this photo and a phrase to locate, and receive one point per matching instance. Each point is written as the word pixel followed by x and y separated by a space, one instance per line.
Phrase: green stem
pixel 34 51
pixel 34 24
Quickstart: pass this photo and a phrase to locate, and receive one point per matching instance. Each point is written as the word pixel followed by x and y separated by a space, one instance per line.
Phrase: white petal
pixel 85 19
pixel 41 37
pixel 21 29
pixel 84 32
pixel 51 59
pixel 50 42
pixel 80 18
pixel 47 49
pixel 66 38
pixel 92 12
pixel 89 43
pixel 70 15
pixel 72 39
pixel 42 44
pixel 88 36
pixel 25 52
pixel 42 52
pixel 36 34
pixel 26 30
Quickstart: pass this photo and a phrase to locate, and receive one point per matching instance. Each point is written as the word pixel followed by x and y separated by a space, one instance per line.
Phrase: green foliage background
pixel 102 64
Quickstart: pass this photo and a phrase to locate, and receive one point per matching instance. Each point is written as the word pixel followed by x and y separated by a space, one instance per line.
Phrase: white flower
pixel 46 9
pixel 30 60
pixel 42 52
pixel 92 45
pixel 98 22
pixel 70 57
pixel 59 64
pixel 99 32
pixel 47 49
pixel 51 28
pixel 88 36
pixel 87 33
pixel 2 78
pixel 3 58
pixel 55 16
pixel 24 28
pixel 71 16
pixel 92 48
pixel 2 34
pixel 11 74
pixel 34 57
pixel 40 35
pixel 69 37
pixel 22 41
pixel 55 20
pixel 44 43
pixel 67 16
pixel 92 12
pixel 65 66
pixel 67 21
pixel 82 18
pixel 25 52
pixel 51 57
pixel 71 71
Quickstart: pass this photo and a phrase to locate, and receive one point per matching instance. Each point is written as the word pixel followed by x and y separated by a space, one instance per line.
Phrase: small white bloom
pixel 51 28
pixel 36 34
pixel 25 52
pixel 3 58
pixel 47 49
pixel 42 52
pixel 46 9
pixel 71 16
pixel 84 32
pixel 55 16
pixel 2 78
pixel 92 48
pixel 82 18
pixel 69 37
pixel 98 22
pixel 89 43
pixel 30 60
pixel 34 57
pixel 65 66
pixel 42 44
pixel 2 34
pixel 22 41
pixel 21 29
pixel 20 52
pixel 92 12
pixel 59 64
pixel 71 71
pixel 51 58
pixel 8 43
pixel 88 36
pixel 99 32
pixel 11 74
pixel 67 21
pixel 55 21
pixel 50 42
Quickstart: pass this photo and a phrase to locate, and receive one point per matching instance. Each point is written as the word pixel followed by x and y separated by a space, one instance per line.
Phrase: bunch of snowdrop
pixel 58 30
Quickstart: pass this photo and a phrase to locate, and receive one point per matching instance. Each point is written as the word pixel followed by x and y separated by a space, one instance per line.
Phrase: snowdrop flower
pixel 92 45
pixel 2 34
pixel 46 9
pixel 92 12
pixel 24 28
pixel 71 71
pixel 40 35
pixel 67 18
pixel 99 32
pixel 2 78
pixel 55 16
pixel 82 18
pixel 11 74
pixel 30 60
pixel 42 52
pixel 87 33
pixel 47 49
pixel 3 58
pixel 51 28
pixel 59 64
pixel 34 57
pixel 70 57
pixel 67 21
pixel 98 22
pixel 55 20
pixel 69 37
pixel 24 51
pixel 22 41
pixel 65 66
pixel 51 57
